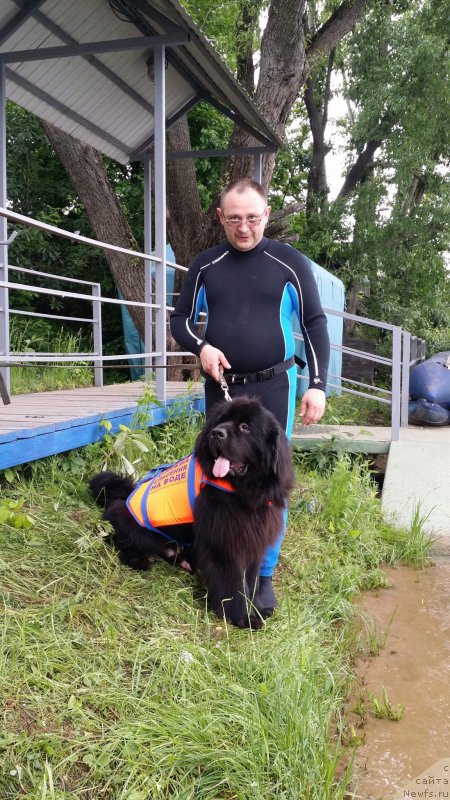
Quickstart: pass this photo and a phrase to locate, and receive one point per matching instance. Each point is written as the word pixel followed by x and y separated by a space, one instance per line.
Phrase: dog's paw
pixel 135 559
pixel 249 621
pixel 266 612
pixel 175 557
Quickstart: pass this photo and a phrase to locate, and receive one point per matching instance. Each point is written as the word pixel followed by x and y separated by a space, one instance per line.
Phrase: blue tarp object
pixel 424 412
pixel 429 390
pixel 332 295
pixel 133 342
pixel 431 380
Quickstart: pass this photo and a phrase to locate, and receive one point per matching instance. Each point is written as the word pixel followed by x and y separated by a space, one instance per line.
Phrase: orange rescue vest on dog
pixel 166 495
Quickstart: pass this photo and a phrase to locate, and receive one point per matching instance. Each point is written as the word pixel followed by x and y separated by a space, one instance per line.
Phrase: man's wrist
pixel 314 386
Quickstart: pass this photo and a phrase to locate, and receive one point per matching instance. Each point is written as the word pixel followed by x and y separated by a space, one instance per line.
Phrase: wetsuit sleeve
pixel 313 321
pixel 183 320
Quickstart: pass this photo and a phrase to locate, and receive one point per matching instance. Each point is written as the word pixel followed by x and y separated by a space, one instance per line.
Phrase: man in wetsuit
pixel 250 287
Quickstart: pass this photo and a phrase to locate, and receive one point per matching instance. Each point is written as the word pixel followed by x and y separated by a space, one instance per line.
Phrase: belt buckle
pixel 265 374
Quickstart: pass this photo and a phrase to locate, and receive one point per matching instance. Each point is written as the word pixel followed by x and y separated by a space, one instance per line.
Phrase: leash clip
pixel 224 387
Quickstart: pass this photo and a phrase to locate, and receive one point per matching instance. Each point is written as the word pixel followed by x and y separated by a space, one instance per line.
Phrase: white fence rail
pixel 406 350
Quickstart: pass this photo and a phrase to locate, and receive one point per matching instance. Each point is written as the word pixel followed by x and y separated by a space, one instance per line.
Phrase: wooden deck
pixel 33 426
pixel 364 439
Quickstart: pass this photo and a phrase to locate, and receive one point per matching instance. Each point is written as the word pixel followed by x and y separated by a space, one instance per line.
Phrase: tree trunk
pixel 318 118
pixel 360 169
pixel 247 24
pixel 189 229
pixel 86 171
pixel 285 65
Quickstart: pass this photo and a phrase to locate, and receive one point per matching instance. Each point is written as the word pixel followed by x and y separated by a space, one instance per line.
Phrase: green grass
pixel 38 336
pixel 122 685
pixel 349 409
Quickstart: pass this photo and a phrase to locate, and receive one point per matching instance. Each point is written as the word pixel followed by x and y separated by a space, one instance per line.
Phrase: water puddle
pixel 414 668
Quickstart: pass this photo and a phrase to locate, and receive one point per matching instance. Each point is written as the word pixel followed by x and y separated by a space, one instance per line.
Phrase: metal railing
pixel 95 320
pixel 406 350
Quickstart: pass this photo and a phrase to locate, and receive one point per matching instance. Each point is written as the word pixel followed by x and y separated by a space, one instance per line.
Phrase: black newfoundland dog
pixel 228 499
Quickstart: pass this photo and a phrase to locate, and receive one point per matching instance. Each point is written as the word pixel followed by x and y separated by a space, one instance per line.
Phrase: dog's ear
pixel 271 451
pixel 278 460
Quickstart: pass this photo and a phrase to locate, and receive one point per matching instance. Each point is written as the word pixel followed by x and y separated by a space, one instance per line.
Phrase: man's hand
pixel 213 361
pixel 313 406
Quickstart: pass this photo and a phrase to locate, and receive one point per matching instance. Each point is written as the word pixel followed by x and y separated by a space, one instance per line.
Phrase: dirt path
pixel 414 668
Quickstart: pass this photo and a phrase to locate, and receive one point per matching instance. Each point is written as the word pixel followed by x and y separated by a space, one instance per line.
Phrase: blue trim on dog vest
pixel 164 490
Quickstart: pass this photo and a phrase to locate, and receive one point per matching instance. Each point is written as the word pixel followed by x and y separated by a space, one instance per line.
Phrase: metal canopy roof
pixel 86 66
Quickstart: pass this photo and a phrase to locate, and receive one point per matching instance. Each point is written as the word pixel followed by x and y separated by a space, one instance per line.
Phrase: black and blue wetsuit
pixel 250 298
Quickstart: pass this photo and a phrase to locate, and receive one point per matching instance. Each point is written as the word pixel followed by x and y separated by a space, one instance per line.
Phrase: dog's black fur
pixel 231 531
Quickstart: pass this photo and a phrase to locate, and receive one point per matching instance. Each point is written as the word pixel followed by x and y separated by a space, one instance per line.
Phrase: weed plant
pixel 349 409
pixel 122 685
pixel 383 709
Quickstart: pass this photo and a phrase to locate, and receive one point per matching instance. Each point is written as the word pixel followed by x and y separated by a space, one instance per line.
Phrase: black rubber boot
pixel 267 600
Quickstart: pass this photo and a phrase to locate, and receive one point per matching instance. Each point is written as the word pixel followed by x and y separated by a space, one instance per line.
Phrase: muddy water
pixel 414 668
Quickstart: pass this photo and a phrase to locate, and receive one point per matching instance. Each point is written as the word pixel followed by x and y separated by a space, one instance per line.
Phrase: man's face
pixel 247 207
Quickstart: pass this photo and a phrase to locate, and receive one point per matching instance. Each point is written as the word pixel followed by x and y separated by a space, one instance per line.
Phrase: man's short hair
pixel 241 185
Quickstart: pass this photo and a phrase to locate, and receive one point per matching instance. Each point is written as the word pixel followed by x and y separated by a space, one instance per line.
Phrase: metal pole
pixel 396 381
pixel 257 167
pixel 148 338
pixel 97 326
pixel 160 220
pixel 406 360
pixel 4 291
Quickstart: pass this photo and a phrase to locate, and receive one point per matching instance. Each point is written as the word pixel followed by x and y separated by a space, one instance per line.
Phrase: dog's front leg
pixel 228 591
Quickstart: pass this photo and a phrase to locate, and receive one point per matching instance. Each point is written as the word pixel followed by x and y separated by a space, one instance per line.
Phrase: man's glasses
pixel 252 220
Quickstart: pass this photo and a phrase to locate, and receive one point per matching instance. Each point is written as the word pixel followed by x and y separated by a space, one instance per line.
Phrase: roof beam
pixel 110 46
pixel 175 155
pixel 15 23
pixel 143 150
pixel 163 20
pixel 180 65
pixel 63 109
pixel 239 120
pixel 93 61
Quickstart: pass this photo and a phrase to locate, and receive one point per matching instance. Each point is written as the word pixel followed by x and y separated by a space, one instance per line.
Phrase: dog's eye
pixel 243 427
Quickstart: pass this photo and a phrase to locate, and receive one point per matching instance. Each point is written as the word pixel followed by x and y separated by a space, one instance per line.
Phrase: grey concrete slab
pixel 418 475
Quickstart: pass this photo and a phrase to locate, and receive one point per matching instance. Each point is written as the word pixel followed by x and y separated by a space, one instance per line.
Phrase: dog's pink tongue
pixel 221 467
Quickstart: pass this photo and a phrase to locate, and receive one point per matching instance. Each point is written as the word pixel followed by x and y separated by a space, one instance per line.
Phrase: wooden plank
pixel 340 444
pixel 7 436
pixel 19 451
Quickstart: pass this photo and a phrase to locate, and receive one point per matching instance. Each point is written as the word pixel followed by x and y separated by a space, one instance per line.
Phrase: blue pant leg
pixel 272 553
pixel 270 559
pixel 278 395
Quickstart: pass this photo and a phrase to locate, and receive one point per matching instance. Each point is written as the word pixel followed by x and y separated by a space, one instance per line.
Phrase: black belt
pixel 263 374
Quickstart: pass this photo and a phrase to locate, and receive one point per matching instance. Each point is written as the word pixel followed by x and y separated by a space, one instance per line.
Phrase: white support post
pixel 406 359
pixel 396 382
pixel 4 291
pixel 97 329
pixel 148 265
pixel 160 221
pixel 257 167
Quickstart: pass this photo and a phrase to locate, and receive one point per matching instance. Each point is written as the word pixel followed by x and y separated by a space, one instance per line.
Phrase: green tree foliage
pixel 38 187
pixel 385 234
pixel 388 233
pixel 209 130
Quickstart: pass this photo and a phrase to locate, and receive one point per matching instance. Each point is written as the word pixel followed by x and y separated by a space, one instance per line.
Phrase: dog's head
pixel 243 442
